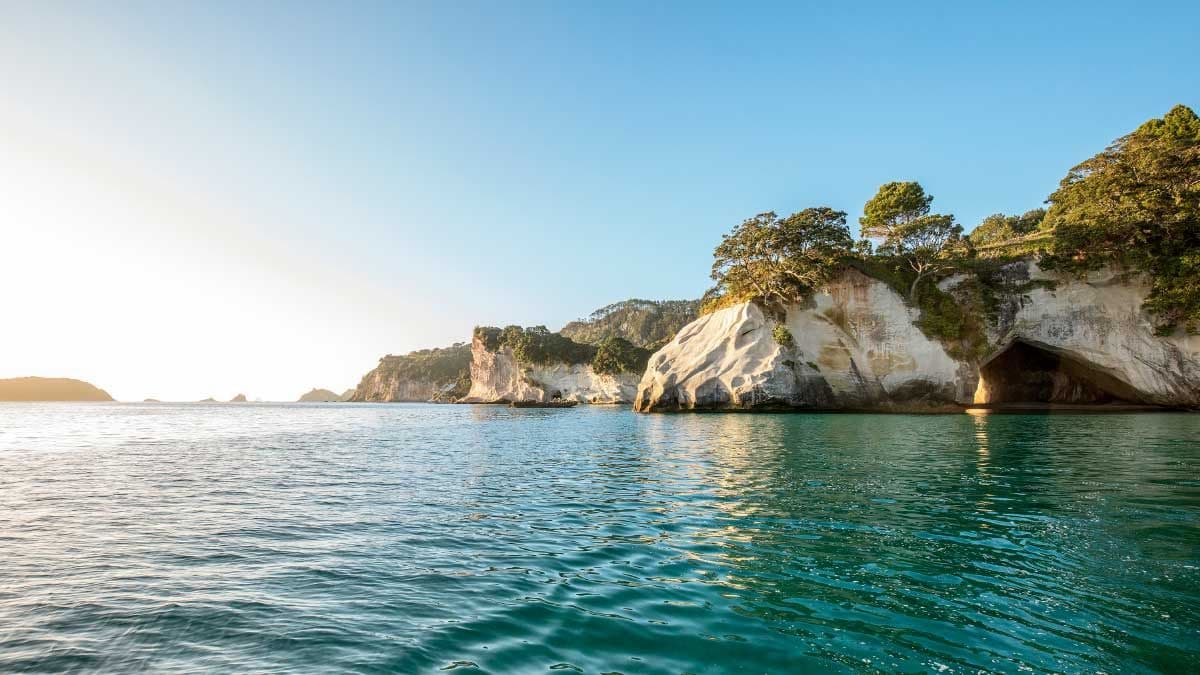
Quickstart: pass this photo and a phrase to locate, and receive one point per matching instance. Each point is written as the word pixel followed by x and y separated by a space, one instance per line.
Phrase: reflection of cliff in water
pixel 909 524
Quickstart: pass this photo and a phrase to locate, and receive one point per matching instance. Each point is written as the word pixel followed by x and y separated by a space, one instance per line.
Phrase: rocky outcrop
pixel 240 398
pixel 50 389
pixel 856 344
pixel 498 377
pixel 439 375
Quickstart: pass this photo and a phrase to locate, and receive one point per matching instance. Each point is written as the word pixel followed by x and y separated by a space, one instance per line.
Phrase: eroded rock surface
pixel 856 345
pixel 497 376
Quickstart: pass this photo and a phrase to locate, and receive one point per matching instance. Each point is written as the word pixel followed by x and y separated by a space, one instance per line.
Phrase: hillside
pixel 50 389
pixel 423 375
pixel 645 323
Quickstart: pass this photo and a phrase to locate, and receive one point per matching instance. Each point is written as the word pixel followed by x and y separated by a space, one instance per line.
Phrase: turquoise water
pixel 413 538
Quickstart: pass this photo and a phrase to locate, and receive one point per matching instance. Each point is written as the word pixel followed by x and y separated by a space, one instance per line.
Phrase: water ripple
pixel 414 538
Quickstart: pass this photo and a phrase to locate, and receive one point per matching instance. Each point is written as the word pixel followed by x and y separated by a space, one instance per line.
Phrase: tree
pixel 617 355
pixel 1137 204
pixel 999 228
pixel 929 243
pixel 780 260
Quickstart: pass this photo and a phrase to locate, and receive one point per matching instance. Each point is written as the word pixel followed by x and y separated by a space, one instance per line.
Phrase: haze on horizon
pixel 206 199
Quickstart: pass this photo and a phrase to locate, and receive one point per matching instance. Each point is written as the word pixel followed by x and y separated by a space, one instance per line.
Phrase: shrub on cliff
pixel 615 355
pixel 1137 203
pixel 535 345
pixel 776 260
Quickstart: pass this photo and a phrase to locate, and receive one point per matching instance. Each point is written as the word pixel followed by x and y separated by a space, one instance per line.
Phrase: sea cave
pixel 1026 374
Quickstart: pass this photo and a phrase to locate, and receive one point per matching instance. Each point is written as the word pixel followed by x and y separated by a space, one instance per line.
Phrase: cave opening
pixel 1028 374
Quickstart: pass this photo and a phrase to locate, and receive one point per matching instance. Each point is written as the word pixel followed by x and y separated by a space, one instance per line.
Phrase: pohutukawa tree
pixel 929 243
pixel 780 260
pixel 1137 203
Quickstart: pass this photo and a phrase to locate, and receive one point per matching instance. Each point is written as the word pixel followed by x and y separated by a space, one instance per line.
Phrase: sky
pixel 211 198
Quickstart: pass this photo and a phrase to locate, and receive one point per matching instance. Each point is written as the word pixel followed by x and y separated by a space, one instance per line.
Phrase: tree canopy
pixel 999 228
pixel 779 260
pixel 645 323
pixel 617 355
pixel 1137 204
pixel 929 243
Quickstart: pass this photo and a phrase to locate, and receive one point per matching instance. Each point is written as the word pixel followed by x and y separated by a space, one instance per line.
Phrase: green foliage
pixel 716 299
pixel 956 321
pixel 895 204
pixel 535 345
pixel 779 260
pixel 1137 203
pixel 929 243
pixel 999 228
pixel 616 355
pixel 489 336
pixel 782 335
pixel 450 365
pixel 645 323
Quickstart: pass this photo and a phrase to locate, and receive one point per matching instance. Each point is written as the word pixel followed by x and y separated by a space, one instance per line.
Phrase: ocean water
pixel 415 538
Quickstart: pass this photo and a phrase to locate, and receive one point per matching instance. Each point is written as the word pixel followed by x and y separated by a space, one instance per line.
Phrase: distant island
pixel 50 389
pixel 315 395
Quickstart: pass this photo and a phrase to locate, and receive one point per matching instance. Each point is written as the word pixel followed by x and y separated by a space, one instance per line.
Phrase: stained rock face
pixel 497 376
pixel 856 345
pixel 1101 338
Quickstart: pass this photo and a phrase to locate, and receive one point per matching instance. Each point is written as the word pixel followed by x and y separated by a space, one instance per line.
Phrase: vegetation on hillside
pixel 999 228
pixel 928 243
pixel 1137 204
pixel 444 366
pixel 776 261
pixel 616 355
pixel 537 345
pixel 644 323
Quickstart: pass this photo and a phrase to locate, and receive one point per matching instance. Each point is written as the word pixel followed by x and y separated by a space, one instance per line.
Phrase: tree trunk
pixel 912 292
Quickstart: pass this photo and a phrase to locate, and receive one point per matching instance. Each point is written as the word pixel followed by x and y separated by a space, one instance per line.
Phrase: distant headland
pixel 50 389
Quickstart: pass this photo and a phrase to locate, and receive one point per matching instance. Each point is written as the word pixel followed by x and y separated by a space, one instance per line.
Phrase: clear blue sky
pixel 420 168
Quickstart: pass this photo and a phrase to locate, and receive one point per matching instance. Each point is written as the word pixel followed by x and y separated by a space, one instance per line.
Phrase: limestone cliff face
pixel 384 385
pixel 1098 330
pixel 438 375
pixel 496 376
pixel 856 345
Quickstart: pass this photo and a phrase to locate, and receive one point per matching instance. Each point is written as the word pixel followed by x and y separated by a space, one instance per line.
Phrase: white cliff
pixel 497 376
pixel 1098 329
pixel 856 345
